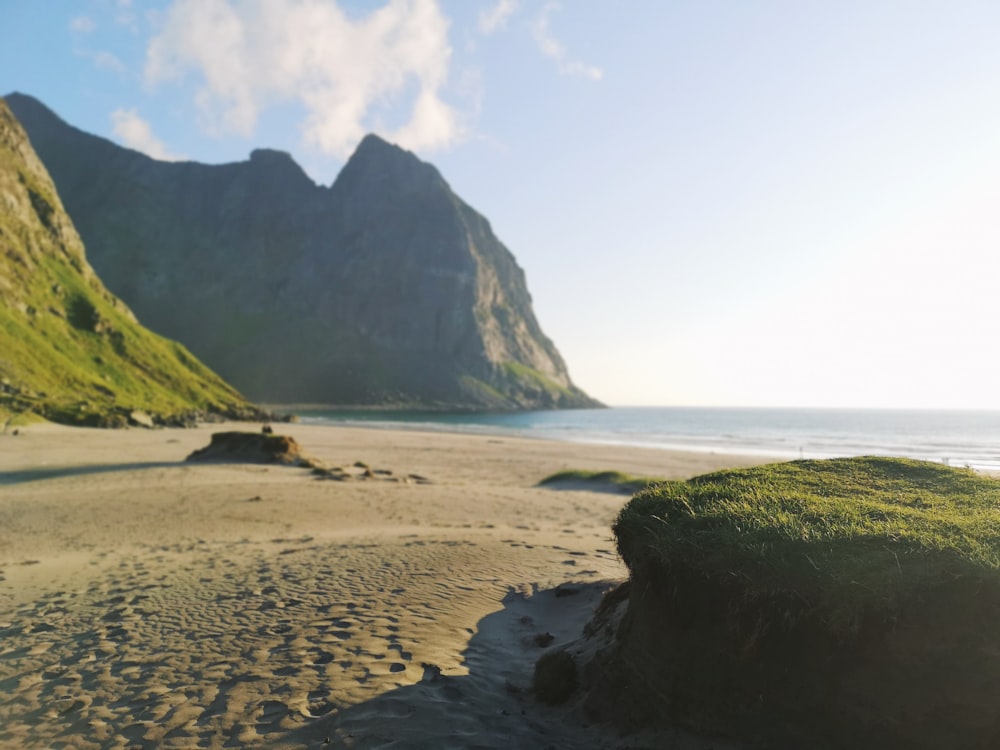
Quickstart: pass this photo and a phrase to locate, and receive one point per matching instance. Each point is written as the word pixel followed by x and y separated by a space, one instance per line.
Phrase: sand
pixel 148 602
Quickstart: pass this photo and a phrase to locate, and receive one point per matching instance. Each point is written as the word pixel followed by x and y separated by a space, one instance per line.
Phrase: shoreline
pixel 950 438
pixel 149 601
pixel 478 430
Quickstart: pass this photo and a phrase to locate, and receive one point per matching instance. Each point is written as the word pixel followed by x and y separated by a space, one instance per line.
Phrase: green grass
pixel 69 350
pixel 531 377
pixel 612 479
pixel 480 391
pixel 843 537
pixel 79 354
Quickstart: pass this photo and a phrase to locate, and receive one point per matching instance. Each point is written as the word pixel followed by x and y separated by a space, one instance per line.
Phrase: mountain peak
pixel 376 161
pixel 16 98
pixel 373 143
pixel 270 156
pixel 279 164
pixel 375 148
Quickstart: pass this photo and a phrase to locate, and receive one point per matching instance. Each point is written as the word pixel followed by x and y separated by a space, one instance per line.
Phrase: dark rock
pixel 555 678
pixel 251 447
pixel 543 640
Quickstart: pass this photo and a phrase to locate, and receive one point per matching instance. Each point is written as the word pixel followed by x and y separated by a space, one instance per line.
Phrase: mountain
pixel 70 350
pixel 382 289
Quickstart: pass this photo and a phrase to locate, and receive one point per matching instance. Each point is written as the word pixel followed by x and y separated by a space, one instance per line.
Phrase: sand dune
pixel 147 602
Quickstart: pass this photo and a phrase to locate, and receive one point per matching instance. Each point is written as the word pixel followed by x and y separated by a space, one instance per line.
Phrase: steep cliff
pixel 385 288
pixel 69 350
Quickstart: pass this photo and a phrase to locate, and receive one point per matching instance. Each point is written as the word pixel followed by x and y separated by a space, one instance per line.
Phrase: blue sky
pixel 784 203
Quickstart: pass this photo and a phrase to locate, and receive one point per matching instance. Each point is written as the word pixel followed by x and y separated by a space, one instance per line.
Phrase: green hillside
pixel 69 350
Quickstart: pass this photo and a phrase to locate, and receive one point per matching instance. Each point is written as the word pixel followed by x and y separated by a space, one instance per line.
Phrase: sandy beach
pixel 149 602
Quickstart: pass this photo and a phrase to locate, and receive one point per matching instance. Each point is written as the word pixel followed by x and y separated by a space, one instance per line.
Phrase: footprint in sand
pixel 319 703
pixel 271 713
pixel 404 655
pixel 320 660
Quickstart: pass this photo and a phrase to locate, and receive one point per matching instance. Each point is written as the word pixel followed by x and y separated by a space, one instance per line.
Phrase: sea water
pixel 957 438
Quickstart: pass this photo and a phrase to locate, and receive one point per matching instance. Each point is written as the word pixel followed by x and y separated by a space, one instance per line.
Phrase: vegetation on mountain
pixel 70 351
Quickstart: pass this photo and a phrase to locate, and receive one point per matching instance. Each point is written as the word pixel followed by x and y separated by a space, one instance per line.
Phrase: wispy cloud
pixel 126 15
pixel 495 18
pixel 82 24
pixel 106 61
pixel 136 133
pixel 351 74
pixel 554 49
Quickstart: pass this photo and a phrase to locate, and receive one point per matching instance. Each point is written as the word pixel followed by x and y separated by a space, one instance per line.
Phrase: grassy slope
pixel 70 350
pixel 531 379
pixel 842 536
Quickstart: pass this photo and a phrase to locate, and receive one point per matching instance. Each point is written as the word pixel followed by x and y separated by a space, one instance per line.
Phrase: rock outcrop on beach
pixel 384 288
pixel 253 448
pixel 71 351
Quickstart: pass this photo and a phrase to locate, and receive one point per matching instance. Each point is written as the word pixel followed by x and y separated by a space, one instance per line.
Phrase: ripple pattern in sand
pixel 224 645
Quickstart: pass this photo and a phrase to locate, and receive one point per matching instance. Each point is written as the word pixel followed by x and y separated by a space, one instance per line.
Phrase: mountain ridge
pixel 384 288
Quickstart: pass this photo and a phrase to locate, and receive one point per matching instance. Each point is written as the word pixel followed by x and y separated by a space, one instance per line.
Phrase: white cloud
pixel 553 48
pixel 495 18
pixel 106 61
pixel 82 24
pixel 136 133
pixel 351 74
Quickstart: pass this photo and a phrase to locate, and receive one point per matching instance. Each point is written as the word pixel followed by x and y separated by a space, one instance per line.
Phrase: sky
pixel 716 202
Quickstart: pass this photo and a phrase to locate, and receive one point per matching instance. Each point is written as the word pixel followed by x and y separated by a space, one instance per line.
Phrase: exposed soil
pixel 692 652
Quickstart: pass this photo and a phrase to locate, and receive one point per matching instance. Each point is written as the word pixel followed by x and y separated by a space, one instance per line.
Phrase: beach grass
pixel 851 599
pixel 842 535
pixel 610 479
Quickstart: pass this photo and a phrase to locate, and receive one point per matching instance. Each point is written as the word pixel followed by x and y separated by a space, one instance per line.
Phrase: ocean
pixel 956 438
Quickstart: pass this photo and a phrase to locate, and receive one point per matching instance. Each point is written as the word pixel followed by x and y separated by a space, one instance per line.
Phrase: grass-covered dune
pixel 608 481
pixel 839 603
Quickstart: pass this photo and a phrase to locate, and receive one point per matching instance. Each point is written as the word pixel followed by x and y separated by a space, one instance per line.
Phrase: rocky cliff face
pixel 69 349
pixel 385 288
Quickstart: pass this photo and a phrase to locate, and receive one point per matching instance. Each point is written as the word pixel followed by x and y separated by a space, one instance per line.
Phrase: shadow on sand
pixel 58 472
pixel 492 706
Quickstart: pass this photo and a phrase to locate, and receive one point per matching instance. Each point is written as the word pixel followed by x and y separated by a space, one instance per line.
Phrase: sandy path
pixel 145 602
